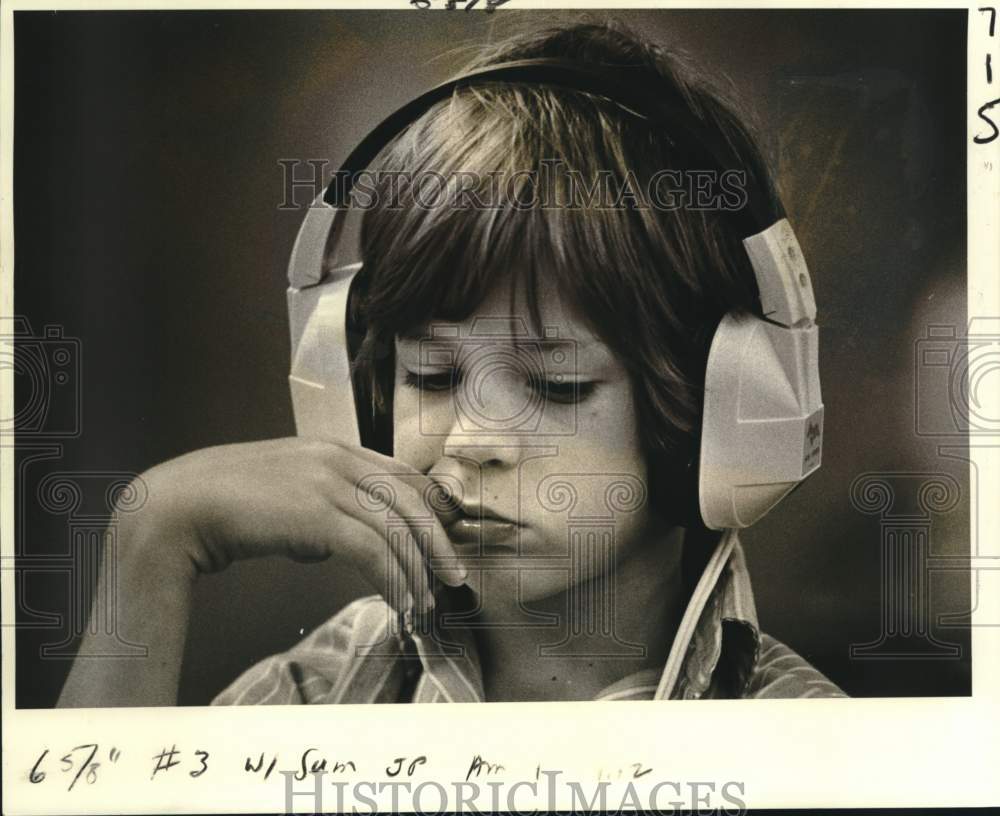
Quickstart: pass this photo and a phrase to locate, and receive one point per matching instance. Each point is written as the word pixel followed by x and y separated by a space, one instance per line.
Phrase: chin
pixel 502 587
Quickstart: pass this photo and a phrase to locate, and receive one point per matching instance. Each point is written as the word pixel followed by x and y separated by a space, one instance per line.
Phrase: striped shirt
pixel 361 655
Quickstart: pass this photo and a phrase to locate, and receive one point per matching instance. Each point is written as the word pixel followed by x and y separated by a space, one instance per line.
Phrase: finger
pixel 413 497
pixel 377 563
pixel 410 555
pixel 312 542
pixel 441 496
pixel 401 539
pixel 307 557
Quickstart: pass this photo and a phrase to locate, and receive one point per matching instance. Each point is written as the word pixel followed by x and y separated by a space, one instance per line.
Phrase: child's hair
pixel 652 284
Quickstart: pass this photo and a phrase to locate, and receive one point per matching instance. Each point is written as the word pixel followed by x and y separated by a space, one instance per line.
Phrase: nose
pixel 493 408
pixel 496 395
pixel 479 463
pixel 486 453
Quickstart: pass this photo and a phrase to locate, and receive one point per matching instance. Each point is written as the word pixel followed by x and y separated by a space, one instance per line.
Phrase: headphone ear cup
pixel 320 377
pixel 762 422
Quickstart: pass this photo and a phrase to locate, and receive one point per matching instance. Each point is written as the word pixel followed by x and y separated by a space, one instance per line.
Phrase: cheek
pixel 608 432
pixel 599 472
pixel 623 491
pixel 409 446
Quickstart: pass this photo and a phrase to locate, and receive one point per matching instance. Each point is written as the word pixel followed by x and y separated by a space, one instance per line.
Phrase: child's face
pixel 539 434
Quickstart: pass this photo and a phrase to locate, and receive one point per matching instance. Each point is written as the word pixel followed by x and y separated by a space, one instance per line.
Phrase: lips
pixel 478 525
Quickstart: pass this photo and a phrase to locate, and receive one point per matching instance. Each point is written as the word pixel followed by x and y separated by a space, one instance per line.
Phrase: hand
pixel 303 499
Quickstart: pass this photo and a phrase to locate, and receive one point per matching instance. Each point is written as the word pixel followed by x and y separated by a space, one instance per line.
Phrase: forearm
pixel 154 588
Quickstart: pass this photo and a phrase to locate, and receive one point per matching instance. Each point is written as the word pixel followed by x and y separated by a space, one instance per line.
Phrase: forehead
pixel 505 315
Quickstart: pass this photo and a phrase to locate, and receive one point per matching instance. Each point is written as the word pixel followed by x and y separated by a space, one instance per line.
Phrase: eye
pixel 566 392
pixel 438 381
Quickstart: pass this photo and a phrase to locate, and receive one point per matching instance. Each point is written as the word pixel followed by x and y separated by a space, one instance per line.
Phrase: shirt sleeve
pixel 781 673
pixel 308 672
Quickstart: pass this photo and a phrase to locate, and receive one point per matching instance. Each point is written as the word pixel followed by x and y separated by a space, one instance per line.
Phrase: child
pixel 536 331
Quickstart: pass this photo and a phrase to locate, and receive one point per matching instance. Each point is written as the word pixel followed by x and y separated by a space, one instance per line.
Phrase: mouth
pixel 479 525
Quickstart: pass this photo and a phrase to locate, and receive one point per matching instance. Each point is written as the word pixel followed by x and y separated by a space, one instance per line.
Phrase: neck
pixel 606 627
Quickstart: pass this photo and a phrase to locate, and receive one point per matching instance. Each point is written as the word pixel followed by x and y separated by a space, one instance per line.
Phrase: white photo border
pixel 788 753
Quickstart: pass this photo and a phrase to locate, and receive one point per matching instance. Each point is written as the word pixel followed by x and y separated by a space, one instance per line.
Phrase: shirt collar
pixel 719 660
pixel 725 644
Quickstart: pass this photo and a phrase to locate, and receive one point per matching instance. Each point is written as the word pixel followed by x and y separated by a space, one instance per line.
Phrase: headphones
pixel 762 421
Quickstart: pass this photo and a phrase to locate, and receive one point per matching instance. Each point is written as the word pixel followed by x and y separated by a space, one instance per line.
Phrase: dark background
pixel 147 226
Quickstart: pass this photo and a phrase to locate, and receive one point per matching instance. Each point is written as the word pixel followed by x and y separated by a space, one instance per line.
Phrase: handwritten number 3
pixel 203 758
